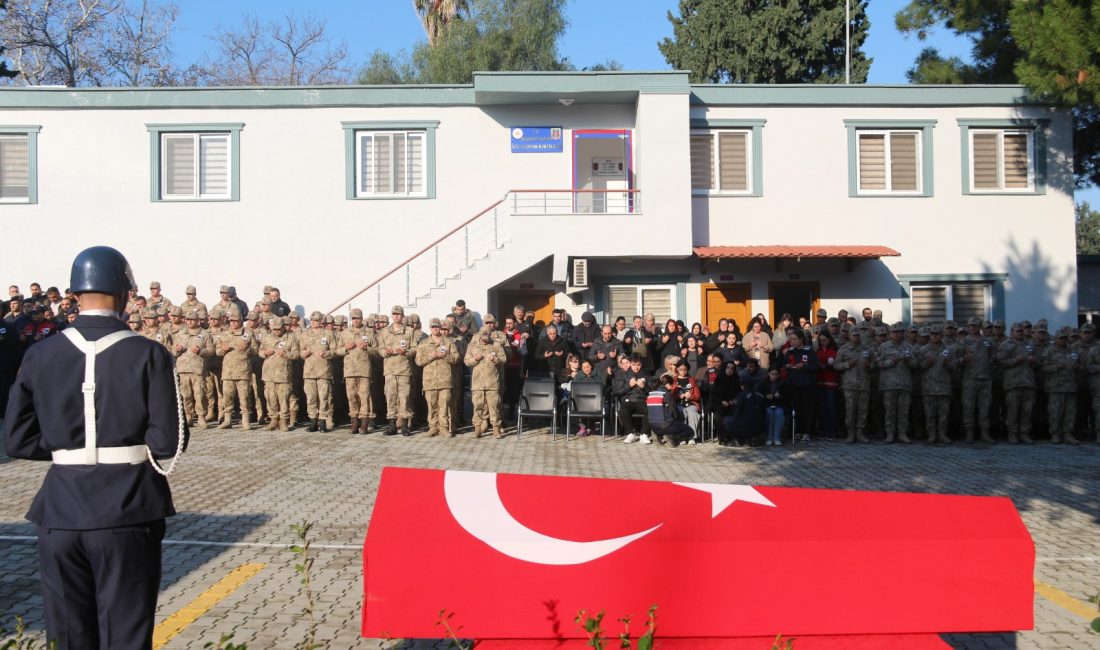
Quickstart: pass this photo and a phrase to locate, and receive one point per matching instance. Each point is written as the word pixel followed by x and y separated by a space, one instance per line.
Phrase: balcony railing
pixel 575 201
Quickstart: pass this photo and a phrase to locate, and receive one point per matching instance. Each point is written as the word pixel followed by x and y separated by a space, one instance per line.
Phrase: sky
pixel 626 31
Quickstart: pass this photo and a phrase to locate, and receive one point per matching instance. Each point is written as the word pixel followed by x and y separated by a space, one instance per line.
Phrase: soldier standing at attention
pixel 1059 364
pixel 975 353
pixel 486 356
pixel 936 361
pixel 278 349
pixel 854 361
pixel 101 508
pixel 1016 356
pixel 398 349
pixel 156 298
pixel 315 345
pixel 192 302
pixel 894 360
pixel 437 355
pixel 236 347
pixel 152 331
pixel 216 331
pixel 192 348
pixel 357 343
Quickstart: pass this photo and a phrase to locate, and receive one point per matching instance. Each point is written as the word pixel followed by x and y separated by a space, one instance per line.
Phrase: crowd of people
pixel 841 377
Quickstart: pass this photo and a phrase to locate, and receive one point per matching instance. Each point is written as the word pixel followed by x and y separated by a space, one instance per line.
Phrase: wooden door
pixel 540 302
pixel 729 301
pixel 794 298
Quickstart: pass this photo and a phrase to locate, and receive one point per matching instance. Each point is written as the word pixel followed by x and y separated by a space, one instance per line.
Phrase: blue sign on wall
pixel 536 139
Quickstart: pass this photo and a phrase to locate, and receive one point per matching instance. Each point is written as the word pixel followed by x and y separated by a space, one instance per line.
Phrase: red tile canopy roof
pixel 770 252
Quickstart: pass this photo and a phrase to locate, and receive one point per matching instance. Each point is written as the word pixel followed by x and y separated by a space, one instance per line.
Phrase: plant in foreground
pixel 443 620
pixel 21 641
pixel 225 643
pixel 593 628
pixel 303 567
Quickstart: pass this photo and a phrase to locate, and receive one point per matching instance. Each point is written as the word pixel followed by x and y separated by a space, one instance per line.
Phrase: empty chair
pixel 540 400
pixel 586 400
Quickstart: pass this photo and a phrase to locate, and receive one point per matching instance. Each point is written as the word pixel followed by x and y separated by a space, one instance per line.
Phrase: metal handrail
pixel 466 253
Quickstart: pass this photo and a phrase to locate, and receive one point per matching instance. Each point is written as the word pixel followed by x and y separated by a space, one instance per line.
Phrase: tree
pixel 767 41
pixel 136 50
pixel 492 35
pixel 1088 230
pixel 1050 46
pixel 436 15
pixel 5 71
pixel 984 22
pixel 291 52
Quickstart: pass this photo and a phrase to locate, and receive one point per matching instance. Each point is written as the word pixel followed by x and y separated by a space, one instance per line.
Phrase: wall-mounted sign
pixel 536 139
pixel 614 167
pixel 726 278
pixel 527 285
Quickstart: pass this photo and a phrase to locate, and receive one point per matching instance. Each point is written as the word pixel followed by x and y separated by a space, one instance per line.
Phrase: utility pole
pixel 847 41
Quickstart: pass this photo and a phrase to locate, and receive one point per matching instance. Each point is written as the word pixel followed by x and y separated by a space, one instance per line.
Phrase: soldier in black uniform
pixel 101 508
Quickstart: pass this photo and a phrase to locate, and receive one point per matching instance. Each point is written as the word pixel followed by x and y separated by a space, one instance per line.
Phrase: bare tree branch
pixel 288 52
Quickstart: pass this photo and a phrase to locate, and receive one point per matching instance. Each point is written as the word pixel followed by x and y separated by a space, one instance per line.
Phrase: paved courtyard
pixel 227 567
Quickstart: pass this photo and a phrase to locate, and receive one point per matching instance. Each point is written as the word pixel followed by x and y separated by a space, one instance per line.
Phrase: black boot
pixel 355 425
pixel 312 426
pixel 322 426
pixel 366 425
pixel 405 429
pixel 391 430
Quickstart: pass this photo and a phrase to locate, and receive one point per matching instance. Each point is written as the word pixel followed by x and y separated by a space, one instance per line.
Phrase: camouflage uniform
pixel 192 348
pixel 358 345
pixel 1086 393
pixel 437 355
pixel 213 384
pixel 1092 367
pixel 1016 358
pixel 315 346
pixel 936 361
pixel 1059 364
pixel 278 349
pixel 895 360
pixel 151 331
pixel 486 356
pixel 236 347
pixel 398 348
pixel 975 353
pixel 854 361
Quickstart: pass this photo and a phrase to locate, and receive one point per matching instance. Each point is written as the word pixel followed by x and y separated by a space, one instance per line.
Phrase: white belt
pixel 132 455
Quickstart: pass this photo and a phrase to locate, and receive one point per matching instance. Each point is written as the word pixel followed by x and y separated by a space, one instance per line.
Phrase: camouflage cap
pixel 276 323
pixel 135 318
pixel 372 318
pixel 190 289
pixel 356 313
pixel 936 329
pixel 986 324
pixel 489 318
pixel 223 289
pixel 149 312
pixel 253 315
pixel 265 301
pixel 950 324
pixel 1088 327
pixel 1041 326
pixel 162 310
pixel 192 314
pixel 1025 324
pixel 317 316
pixel 294 316
pixel 1062 333
pixel 154 285
pixel 435 322
pixel 897 327
pixel 485 331
pixel 913 328
pixel 175 310
pixel 1000 322
pixel 397 309
pixel 974 320
pixel 822 312
pixel 268 288
pixel 922 332
pixel 340 319
pixel 846 327
pixel 881 330
pixel 833 321
pixel 216 313
pixel 329 319
pixel 232 313
pixel 414 319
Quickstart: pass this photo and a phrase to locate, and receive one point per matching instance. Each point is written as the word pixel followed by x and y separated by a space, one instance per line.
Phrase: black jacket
pixel 135 402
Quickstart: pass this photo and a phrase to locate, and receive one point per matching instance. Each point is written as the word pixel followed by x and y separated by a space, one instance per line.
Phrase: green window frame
pixel 886 126
pixel 1037 144
pixel 351 166
pixel 996 282
pixel 755 130
pixel 14 133
pixel 156 153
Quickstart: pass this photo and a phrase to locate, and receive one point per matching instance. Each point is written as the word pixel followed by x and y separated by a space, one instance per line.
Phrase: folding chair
pixel 540 400
pixel 586 401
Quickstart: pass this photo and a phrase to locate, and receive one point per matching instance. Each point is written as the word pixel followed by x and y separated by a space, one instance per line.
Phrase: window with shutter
pixel 659 302
pixel 889 162
pixel 627 300
pixel 958 302
pixel 622 301
pixel 14 168
pixel 720 162
pixel 1001 160
pixel 195 166
pixel 390 163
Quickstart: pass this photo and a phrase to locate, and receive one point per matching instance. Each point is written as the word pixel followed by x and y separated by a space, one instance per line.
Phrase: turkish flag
pixel 516 557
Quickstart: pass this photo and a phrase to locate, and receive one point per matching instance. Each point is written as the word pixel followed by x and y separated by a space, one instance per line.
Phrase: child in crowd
pixel 775 397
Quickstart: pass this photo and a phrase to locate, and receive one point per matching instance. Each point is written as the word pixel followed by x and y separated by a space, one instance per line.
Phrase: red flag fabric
pixel 846 642
pixel 517 556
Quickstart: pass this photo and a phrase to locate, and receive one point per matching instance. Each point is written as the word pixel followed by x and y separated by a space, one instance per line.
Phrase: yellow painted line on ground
pixel 175 623
pixel 1066 602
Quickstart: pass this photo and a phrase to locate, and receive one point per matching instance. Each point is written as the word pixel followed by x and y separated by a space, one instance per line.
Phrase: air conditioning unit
pixel 579 276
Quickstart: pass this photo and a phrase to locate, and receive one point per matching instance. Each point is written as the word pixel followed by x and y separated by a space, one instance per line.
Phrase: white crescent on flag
pixel 475 503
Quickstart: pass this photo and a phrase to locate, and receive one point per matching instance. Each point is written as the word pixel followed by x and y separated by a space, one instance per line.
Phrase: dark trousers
pixel 676 432
pixel 627 410
pixel 99 587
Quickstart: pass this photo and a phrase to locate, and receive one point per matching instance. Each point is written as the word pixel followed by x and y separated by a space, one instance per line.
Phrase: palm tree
pixel 437 14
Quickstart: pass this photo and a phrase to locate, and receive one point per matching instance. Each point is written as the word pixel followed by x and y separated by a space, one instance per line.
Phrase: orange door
pixel 540 302
pixel 729 301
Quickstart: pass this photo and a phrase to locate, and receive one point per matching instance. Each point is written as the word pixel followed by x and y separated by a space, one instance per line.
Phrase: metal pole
pixel 847 41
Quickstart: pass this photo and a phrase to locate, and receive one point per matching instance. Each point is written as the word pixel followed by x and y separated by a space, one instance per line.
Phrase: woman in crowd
pixel 587 375
pixel 758 344
pixel 688 396
pixel 733 352
pixel 671 341
pixel 828 384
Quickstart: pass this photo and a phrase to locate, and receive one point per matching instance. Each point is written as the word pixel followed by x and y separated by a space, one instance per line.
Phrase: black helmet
pixel 101 269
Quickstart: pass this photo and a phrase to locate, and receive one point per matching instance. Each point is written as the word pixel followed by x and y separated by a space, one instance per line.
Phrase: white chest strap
pixel 91 349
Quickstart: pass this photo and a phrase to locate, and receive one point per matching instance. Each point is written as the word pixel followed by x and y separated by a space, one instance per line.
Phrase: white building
pixel 618 192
